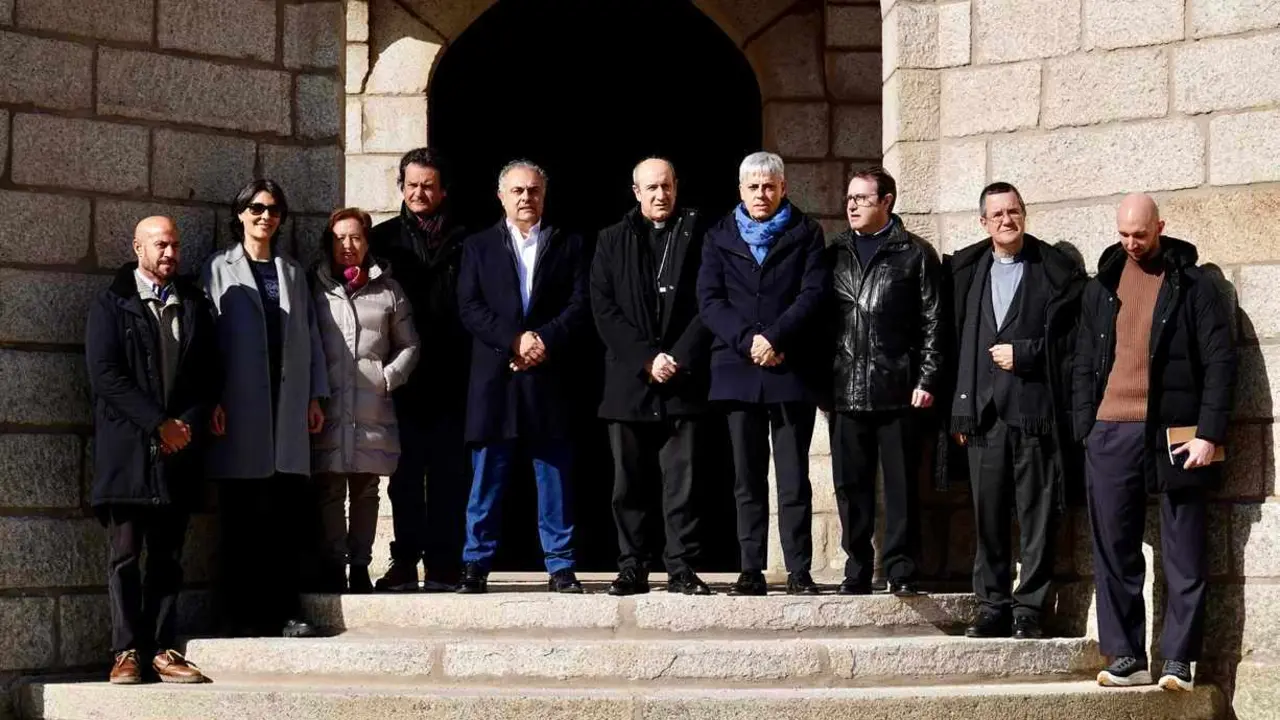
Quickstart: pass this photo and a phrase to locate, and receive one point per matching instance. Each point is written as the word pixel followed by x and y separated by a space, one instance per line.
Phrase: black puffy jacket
pixel 888 322
pixel 1193 357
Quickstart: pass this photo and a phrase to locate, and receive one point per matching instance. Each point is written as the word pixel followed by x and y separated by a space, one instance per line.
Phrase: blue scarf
pixel 760 236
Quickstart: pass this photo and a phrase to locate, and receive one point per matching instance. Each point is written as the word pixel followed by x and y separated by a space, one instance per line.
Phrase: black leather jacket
pixel 888 322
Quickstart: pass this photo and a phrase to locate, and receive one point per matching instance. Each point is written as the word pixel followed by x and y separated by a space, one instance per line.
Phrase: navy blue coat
pixel 783 299
pixel 122 352
pixel 534 404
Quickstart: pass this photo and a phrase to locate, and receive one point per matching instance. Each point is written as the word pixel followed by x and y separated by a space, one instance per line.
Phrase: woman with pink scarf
pixel 370 347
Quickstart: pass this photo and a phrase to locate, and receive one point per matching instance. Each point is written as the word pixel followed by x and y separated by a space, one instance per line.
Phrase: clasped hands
pixel 763 354
pixel 529 351
pixel 174 435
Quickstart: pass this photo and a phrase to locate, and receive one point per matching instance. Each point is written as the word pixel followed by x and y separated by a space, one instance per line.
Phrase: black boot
pixel 630 582
pixel 401 577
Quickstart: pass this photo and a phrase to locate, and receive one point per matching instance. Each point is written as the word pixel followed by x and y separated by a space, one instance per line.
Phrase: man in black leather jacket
pixel 887 365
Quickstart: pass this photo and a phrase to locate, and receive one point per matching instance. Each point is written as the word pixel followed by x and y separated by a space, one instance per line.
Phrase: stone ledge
pixel 644 615
pixel 909 660
pixel 237 700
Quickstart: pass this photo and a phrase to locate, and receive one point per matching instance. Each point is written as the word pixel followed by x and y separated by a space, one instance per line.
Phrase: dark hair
pixel 245 196
pixel 425 157
pixel 885 184
pixel 998 188
pixel 347 213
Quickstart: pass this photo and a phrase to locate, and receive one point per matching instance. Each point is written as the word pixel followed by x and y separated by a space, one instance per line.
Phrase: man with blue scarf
pixel 763 284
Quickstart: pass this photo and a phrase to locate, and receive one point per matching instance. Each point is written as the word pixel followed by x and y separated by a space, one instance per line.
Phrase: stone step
pixel 290 701
pixel 759 662
pixel 542 613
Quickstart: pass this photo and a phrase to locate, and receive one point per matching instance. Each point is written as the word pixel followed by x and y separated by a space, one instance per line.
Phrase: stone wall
pixel 1077 102
pixel 110 113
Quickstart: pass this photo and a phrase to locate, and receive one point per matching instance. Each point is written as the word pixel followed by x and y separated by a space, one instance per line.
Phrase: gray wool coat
pixel 371 347
pixel 259 443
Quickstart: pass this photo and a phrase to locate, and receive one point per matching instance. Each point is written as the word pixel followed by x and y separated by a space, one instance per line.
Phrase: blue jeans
pixel 551 461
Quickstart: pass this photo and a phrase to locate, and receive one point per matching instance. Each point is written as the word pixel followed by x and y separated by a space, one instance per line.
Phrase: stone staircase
pixel 523 653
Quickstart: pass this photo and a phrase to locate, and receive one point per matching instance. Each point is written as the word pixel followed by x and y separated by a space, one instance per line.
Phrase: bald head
pixel 155 242
pixel 1139 225
pixel 654 182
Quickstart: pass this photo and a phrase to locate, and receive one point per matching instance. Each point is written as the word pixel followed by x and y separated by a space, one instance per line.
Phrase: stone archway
pixel 817 66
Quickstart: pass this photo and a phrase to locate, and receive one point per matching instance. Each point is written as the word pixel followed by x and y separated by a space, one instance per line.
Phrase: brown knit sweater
pixel 1125 398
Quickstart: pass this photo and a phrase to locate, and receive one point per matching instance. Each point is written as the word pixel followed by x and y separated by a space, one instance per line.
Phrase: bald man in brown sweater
pixel 1154 351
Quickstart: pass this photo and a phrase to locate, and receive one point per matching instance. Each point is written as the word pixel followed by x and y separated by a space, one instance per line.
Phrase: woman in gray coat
pixel 370 344
pixel 274 381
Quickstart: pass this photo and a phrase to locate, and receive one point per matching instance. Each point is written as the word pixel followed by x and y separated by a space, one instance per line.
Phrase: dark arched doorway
pixel 586 88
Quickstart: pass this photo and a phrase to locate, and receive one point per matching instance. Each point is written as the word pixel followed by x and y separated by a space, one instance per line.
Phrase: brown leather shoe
pixel 125 671
pixel 171 667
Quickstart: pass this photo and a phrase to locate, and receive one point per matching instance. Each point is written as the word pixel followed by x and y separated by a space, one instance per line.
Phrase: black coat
pixel 783 299
pixel 624 301
pixel 1193 358
pixel 122 351
pixel 430 282
pixel 1042 356
pixel 888 322
pixel 503 404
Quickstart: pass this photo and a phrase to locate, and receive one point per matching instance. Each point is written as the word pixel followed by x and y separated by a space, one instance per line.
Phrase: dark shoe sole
pixel 435 586
pixel 700 591
pixel 854 591
pixel 615 592
pixel 736 592
pixel 982 635
pixel 804 591
pixel 464 590
pixel 402 588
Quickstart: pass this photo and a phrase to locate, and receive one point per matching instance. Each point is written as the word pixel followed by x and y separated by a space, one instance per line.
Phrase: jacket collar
pixel 1058 267
pixel 124 284
pixel 1178 255
pixel 640 225
pixel 896 239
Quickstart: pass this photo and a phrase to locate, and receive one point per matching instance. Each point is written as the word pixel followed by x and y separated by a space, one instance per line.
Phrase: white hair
pixel 761 163
pixel 526 164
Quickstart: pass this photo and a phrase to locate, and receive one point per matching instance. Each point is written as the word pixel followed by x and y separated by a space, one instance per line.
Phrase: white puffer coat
pixel 370 347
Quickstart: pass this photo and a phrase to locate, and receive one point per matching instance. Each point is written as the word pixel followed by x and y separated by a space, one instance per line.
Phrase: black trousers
pixel 791 427
pixel 652 461
pixel 1116 481
pixel 860 442
pixel 428 493
pixel 144 603
pixel 265 525
pixel 1010 469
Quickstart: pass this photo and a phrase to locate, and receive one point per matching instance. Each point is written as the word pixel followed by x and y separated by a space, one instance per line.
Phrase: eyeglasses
pixel 864 200
pixel 256 209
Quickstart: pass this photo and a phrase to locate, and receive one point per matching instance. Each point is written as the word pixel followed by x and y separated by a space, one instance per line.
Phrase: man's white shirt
pixel 526 247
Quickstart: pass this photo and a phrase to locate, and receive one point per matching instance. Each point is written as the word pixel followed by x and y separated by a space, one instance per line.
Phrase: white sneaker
pixel 1125 672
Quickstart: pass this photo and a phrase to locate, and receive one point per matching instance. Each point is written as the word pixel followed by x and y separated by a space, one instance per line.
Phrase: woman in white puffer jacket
pixel 370 347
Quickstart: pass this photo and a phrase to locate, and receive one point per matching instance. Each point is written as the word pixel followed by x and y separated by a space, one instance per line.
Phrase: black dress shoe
pixel 850 586
pixel 565 582
pixel 749 584
pixel 989 625
pixel 475 581
pixel 904 588
pixel 630 582
pixel 299 629
pixel 687 582
pixel 801 583
pixel 1027 628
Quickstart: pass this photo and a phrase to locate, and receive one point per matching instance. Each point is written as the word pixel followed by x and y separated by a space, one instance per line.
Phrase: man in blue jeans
pixel 522 294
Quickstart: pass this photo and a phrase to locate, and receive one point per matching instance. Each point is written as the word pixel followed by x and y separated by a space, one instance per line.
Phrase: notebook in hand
pixel 1177 436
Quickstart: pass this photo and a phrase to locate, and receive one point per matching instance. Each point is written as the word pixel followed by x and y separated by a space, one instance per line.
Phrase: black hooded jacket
pixel 1193 358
